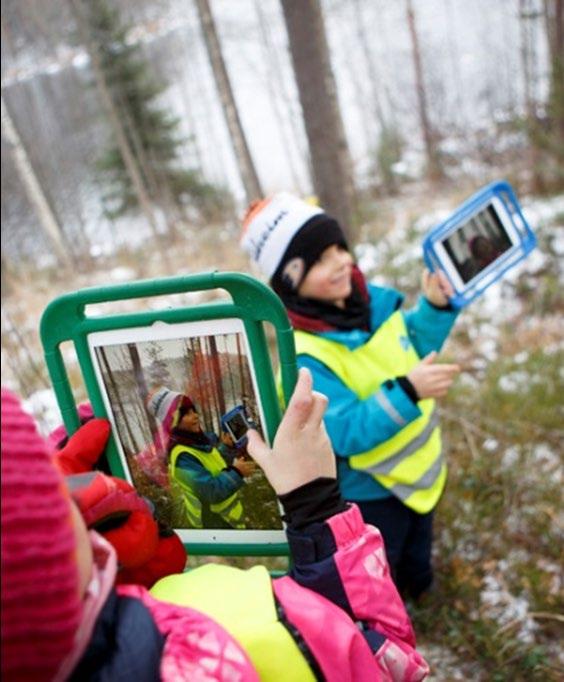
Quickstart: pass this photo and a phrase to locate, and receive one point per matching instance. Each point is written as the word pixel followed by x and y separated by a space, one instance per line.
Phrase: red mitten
pixel 84 448
pixel 113 508
pixel 170 558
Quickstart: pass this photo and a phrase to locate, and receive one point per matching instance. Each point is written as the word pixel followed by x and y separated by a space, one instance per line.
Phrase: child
pixel 63 619
pixel 208 485
pixel 365 354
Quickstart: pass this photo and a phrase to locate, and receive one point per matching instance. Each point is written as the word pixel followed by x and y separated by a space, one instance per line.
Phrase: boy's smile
pixel 329 279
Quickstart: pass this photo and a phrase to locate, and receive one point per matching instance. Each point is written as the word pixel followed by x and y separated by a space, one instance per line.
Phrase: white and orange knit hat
pixel 41 606
pixel 284 236
pixel 270 225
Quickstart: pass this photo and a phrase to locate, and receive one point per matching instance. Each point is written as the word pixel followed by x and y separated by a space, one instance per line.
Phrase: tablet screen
pixel 238 425
pixel 477 243
pixel 166 388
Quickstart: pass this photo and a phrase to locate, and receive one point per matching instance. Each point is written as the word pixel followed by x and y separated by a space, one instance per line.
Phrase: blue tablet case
pixel 478 284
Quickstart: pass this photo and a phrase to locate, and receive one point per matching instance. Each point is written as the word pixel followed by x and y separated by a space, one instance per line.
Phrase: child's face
pixel 329 279
pixel 190 421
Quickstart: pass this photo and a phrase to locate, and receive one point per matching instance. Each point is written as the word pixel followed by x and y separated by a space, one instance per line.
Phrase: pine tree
pixel 152 131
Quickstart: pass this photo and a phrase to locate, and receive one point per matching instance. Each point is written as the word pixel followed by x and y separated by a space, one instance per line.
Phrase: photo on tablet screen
pixel 478 242
pixel 168 389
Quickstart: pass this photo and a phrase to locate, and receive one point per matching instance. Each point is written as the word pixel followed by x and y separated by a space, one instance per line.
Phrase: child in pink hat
pixel 64 619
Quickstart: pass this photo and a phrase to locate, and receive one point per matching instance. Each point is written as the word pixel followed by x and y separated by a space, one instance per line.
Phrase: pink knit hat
pixel 163 404
pixel 41 607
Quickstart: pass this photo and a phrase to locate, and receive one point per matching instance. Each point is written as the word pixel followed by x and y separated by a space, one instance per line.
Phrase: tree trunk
pixel 142 389
pixel 554 13
pixel 527 15
pixel 332 166
pixel 433 164
pixel 118 402
pixel 247 169
pixel 34 190
pixel 216 368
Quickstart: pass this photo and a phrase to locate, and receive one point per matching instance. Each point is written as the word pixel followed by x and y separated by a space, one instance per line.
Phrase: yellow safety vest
pixel 242 602
pixel 411 463
pixel 230 509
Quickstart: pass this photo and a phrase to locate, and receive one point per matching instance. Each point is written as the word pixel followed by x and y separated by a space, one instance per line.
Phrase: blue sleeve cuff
pixel 397 404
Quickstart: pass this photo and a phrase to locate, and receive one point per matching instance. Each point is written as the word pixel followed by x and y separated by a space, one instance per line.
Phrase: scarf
pixel 199 440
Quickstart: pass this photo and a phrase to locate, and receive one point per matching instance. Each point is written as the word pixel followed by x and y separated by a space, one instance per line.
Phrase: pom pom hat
pixel 270 226
pixel 285 236
pixel 41 606
pixel 169 406
pixel 163 403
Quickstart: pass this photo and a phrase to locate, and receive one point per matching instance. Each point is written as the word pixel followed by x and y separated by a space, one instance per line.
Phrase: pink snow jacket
pixel 338 603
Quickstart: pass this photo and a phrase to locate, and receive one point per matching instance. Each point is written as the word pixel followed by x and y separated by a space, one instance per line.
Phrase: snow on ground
pixel 509 611
pixel 443 663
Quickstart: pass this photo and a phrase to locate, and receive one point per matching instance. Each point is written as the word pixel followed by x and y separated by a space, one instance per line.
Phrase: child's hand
pixel 301 451
pixel 430 380
pixel 244 466
pixel 226 439
pixel 436 288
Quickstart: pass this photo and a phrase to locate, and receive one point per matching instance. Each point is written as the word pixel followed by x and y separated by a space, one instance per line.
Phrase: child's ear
pixel 293 273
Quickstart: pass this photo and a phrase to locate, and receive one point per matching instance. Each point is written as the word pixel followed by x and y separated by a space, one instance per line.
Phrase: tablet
pixel 209 363
pixel 479 242
pixel 166 378
pixel 236 423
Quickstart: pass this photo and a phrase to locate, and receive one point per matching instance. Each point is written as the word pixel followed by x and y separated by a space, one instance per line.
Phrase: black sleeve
pixel 409 388
pixel 313 502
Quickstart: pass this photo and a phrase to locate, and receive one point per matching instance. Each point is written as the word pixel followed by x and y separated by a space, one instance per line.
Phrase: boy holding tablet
pixel 207 484
pixel 375 363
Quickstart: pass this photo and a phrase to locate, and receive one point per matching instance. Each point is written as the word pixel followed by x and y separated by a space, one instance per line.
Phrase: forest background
pixel 134 133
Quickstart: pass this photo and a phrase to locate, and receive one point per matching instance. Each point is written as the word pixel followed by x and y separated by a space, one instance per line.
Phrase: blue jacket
pixel 356 425
pixel 210 489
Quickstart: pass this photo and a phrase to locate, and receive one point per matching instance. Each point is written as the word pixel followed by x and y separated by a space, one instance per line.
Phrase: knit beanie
pixel 162 403
pixel 285 236
pixel 168 406
pixel 41 606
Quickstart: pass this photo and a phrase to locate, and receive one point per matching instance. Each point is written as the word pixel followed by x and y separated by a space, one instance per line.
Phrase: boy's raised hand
pixel 430 380
pixel 436 288
pixel 301 451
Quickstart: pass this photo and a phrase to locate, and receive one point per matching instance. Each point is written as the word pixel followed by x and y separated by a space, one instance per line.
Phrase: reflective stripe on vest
pixel 410 464
pixel 230 509
pixel 242 602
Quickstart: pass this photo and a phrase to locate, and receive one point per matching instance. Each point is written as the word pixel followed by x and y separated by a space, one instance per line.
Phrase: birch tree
pixel 247 170
pixel 554 14
pixel 433 164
